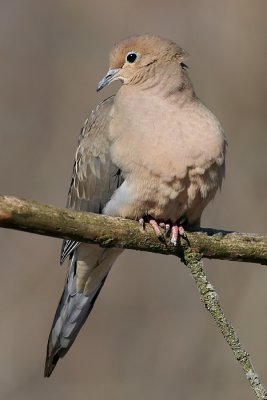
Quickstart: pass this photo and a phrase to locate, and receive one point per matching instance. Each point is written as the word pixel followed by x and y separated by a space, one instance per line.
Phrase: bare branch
pixel 34 217
pixel 210 299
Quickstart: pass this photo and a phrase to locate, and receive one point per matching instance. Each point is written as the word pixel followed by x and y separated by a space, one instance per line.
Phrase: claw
pixel 167 228
pixel 142 223
pixel 182 232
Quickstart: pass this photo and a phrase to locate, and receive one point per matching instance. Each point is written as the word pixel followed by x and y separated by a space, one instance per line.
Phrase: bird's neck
pixel 166 80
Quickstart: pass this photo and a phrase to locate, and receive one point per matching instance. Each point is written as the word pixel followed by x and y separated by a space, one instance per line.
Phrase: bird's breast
pixel 163 137
pixel 170 156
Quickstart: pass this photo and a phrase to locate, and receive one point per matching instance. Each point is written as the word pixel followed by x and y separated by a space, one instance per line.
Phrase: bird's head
pixel 135 59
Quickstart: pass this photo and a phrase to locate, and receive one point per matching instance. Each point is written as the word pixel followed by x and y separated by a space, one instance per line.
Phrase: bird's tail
pixel 89 266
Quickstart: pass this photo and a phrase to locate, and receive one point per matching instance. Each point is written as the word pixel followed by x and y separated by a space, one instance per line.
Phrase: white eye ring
pixel 131 57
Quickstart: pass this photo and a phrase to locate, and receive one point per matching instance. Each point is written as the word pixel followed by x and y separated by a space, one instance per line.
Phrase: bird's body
pixel 167 168
pixel 152 150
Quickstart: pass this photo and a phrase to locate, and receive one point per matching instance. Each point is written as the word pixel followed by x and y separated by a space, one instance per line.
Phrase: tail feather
pixel 74 307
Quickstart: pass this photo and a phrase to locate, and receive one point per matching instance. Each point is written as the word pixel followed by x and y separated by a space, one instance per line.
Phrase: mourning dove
pixel 153 151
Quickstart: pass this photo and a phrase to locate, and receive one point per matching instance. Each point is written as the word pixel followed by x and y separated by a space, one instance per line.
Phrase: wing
pixel 94 176
pixel 94 180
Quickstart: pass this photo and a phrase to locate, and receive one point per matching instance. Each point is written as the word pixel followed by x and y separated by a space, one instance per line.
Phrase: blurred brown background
pixel 148 335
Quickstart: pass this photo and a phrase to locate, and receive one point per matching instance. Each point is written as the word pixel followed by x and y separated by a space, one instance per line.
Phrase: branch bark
pixel 31 216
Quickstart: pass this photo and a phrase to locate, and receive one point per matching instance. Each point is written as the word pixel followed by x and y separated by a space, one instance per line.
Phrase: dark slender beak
pixel 107 79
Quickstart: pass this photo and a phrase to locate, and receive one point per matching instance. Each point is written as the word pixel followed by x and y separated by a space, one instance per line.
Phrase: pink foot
pixel 154 224
pixel 175 234
pixel 176 231
pixel 156 228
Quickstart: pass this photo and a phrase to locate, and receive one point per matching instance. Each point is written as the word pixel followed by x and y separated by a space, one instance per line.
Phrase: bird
pixel 152 152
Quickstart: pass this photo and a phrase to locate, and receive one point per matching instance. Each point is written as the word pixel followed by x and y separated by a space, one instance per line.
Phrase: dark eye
pixel 131 57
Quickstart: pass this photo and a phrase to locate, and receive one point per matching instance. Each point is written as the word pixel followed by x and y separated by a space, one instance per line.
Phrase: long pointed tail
pixel 89 266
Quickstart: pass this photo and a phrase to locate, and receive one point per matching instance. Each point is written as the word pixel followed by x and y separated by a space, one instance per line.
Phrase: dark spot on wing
pixel 184 66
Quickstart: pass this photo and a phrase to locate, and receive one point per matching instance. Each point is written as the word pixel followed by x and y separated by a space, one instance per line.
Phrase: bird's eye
pixel 131 57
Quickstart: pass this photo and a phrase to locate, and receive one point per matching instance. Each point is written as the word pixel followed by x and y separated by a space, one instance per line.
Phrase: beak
pixel 107 79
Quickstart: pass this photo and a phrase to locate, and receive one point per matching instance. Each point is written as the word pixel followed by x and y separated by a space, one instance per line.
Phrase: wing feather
pixel 95 177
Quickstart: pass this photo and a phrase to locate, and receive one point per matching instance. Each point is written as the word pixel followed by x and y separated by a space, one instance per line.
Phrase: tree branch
pixel 34 217
pixel 210 299
pixel 46 220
